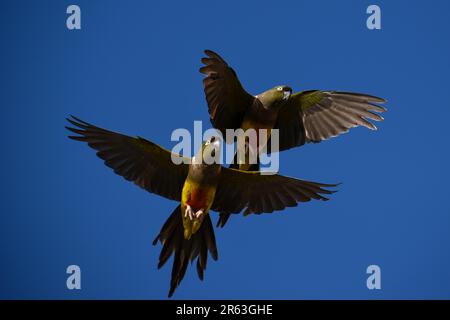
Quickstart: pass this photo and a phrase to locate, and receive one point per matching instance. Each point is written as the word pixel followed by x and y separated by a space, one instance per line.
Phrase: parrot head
pixel 274 97
pixel 210 152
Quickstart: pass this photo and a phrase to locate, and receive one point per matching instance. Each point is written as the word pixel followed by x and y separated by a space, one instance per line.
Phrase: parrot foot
pixel 189 212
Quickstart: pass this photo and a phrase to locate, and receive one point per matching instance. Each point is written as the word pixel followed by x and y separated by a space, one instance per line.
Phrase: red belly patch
pixel 198 198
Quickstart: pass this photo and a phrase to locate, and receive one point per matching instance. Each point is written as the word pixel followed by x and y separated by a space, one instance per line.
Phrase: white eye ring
pixel 280 88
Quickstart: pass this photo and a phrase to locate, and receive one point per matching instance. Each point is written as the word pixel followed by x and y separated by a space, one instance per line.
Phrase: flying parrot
pixel 302 117
pixel 197 186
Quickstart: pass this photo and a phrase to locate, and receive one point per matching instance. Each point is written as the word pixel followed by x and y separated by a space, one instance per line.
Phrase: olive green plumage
pixel 306 116
pixel 195 184
pixel 302 117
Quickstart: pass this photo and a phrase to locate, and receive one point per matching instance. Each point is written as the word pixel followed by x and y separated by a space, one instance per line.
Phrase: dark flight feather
pixel 227 99
pixel 238 190
pixel 314 116
pixel 136 159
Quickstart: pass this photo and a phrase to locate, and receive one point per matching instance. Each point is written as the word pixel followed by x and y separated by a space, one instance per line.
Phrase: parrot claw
pixel 199 213
pixel 189 212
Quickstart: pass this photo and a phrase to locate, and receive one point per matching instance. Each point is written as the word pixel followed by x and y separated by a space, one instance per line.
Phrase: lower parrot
pixel 197 186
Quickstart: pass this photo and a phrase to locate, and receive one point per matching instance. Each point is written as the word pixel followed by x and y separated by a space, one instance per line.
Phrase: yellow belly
pixel 198 197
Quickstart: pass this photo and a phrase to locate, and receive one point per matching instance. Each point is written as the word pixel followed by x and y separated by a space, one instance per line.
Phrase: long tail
pixel 173 241
pixel 224 216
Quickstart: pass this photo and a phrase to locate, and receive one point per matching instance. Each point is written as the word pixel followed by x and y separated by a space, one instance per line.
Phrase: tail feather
pixel 172 238
pixel 223 218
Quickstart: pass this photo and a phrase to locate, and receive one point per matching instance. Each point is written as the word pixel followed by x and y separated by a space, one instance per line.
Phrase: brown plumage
pixel 220 189
pixel 303 117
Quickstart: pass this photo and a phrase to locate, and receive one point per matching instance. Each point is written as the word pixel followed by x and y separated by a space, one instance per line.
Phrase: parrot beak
pixel 209 151
pixel 216 145
pixel 286 94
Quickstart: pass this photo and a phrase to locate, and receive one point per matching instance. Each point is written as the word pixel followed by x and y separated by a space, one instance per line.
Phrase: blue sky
pixel 133 68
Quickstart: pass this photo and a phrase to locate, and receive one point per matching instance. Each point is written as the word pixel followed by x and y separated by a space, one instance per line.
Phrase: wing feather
pixel 227 99
pixel 314 116
pixel 146 164
pixel 255 193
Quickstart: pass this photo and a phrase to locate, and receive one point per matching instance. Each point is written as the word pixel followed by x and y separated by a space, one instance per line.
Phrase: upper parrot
pixel 306 116
pixel 198 187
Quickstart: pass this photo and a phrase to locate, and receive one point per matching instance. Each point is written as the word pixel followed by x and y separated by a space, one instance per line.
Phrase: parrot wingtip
pixel 215 255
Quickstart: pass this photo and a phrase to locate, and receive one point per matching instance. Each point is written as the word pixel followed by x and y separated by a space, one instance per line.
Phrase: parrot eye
pixel 280 88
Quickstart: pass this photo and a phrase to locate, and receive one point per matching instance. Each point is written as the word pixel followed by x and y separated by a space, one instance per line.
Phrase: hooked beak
pixel 287 93
pixel 215 142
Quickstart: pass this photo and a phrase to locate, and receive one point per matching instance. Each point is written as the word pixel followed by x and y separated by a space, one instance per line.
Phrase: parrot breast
pixel 198 196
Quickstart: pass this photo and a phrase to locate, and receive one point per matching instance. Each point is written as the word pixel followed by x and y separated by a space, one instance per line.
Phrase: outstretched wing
pixel 238 190
pixel 313 116
pixel 136 159
pixel 227 99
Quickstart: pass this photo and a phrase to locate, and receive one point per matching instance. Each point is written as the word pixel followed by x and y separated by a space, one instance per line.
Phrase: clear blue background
pixel 134 68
